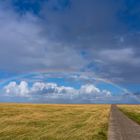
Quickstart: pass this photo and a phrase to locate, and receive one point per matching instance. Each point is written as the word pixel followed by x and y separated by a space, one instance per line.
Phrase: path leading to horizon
pixel 121 127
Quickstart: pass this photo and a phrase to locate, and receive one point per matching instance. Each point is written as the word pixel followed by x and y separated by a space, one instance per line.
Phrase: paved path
pixel 121 127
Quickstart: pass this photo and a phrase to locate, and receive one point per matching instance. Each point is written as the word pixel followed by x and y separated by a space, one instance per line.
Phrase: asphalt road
pixel 121 127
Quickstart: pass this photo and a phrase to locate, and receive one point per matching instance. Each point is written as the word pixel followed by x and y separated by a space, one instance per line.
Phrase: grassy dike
pixel 53 122
pixel 132 111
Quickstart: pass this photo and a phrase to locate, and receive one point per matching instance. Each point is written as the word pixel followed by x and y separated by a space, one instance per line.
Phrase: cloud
pixel 52 92
pixel 29 50
pixel 17 90
pixel 126 55
pixel 65 36
pixel 50 88
pixel 88 89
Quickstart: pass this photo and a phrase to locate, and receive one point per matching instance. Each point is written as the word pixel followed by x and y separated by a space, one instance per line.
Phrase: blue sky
pixel 67 51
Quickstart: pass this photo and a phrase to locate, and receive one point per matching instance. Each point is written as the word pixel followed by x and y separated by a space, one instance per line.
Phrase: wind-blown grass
pixel 53 122
pixel 132 111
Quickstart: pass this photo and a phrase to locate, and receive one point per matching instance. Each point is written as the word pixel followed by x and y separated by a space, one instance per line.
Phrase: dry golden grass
pixel 132 111
pixel 53 122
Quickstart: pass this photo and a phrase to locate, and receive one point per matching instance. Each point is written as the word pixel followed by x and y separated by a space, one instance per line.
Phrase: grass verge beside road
pixel 132 111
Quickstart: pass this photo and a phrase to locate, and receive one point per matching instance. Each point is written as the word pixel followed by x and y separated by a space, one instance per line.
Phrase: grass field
pixel 132 111
pixel 53 122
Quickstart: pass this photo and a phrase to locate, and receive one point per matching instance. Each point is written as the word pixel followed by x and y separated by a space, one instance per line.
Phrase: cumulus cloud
pixel 51 91
pixel 17 90
pixel 50 88
pixel 88 89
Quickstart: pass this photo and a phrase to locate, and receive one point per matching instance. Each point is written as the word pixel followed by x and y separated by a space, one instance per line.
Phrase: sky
pixel 70 51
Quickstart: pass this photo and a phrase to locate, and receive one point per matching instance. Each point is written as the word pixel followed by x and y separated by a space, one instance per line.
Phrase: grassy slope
pixel 53 122
pixel 132 111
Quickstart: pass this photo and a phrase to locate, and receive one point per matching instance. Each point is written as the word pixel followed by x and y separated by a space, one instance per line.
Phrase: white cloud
pixel 17 90
pixel 106 92
pixel 51 91
pixel 40 86
pixel 89 89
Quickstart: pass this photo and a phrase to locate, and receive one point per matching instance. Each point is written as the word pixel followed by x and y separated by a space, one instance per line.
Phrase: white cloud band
pixel 52 90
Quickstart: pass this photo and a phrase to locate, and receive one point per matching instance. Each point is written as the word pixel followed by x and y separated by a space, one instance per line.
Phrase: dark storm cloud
pixel 81 20
pixel 24 48
pixel 98 36
pixel 97 28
